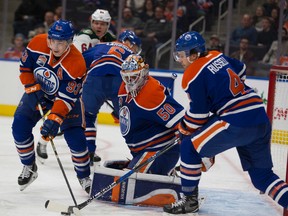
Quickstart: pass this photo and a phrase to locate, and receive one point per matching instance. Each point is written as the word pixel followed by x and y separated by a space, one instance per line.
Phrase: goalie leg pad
pixel 139 189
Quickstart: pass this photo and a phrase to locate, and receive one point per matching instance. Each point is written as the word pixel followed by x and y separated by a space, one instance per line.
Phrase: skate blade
pixel 201 201
pixel 187 214
pixel 40 159
pixel 34 176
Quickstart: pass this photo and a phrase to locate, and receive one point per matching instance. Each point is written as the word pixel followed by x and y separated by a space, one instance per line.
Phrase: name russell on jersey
pixel 217 64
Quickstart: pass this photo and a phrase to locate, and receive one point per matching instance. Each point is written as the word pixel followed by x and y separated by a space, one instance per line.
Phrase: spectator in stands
pixel 269 5
pixel 26 16
pixel 207 7
pixel 275 18
pixel 257 18
pixel 58 12
pixel 148 11
pixel 192 11
pixel 156 32
pixel 131 22
pixel 16 50
pixel 215 43
pixel 267 35
pixel 39 29
pixel 246 56
pixel 136 6
pixel 271 56
pixel 48 20
pixel 246 29
pixel 182 22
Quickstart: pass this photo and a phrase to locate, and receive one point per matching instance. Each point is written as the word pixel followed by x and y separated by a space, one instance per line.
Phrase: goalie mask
pixel 134 73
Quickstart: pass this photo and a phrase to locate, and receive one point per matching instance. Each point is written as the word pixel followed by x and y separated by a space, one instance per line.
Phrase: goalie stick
pixel 53 206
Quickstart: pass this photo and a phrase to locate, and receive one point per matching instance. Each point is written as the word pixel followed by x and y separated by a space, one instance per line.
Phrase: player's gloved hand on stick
pixel 51 125
pixel 37 94
pixel 184 130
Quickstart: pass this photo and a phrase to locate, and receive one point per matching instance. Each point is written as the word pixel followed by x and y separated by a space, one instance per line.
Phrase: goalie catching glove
pixel 51 126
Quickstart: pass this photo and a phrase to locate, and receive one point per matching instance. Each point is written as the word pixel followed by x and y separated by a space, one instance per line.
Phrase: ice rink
pixel 227 189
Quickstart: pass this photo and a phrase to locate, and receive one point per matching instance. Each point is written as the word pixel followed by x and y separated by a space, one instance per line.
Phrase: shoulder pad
pixel 152 90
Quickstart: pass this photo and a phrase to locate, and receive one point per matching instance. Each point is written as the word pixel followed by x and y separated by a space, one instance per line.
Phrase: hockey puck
pixel 65 213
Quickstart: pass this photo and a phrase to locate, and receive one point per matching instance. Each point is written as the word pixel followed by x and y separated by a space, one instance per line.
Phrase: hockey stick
pixel 50 205
pixel 58 159
pixel 110 105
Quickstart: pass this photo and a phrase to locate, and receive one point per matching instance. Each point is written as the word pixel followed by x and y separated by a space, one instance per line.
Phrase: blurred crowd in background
pixel 253 41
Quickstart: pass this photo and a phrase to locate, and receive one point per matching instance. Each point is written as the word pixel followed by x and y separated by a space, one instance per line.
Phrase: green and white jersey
pixel 86 39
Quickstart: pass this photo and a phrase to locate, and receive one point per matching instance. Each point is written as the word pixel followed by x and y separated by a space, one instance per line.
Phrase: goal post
pixel 277 110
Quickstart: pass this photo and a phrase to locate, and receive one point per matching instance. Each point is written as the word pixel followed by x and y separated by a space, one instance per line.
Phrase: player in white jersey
pixel 97 32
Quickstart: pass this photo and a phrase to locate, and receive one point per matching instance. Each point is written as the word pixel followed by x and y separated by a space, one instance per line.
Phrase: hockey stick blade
pixel 70 209
pixel 64 209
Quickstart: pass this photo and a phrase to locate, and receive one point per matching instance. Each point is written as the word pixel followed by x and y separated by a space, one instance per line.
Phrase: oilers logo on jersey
pixel 47 79
pixel 124 118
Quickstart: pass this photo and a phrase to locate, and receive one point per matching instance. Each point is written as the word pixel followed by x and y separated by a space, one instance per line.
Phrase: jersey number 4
pixel 236 84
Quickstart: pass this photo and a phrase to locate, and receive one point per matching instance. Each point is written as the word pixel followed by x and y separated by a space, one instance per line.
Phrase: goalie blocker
pixel 139 189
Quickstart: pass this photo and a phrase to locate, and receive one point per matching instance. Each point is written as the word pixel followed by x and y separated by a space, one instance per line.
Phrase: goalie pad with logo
pixel 139 189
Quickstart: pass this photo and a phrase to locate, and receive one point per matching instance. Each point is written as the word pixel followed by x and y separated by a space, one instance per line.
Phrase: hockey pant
pixel 96 90
pixel 25 120
pixel 253 147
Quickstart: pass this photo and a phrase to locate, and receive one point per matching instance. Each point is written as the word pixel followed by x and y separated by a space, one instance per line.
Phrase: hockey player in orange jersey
pixel 52 71
pixel 215 84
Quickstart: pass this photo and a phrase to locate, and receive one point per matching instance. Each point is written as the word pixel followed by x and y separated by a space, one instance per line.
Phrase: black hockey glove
pixel 51 126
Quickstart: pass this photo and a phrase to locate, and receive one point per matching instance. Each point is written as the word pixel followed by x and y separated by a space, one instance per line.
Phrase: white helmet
pixel 101 15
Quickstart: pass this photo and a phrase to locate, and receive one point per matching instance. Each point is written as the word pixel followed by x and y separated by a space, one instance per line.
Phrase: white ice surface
pixel 227 189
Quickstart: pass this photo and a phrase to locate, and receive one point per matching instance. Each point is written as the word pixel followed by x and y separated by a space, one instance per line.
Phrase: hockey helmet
pixel 61 30
pixel 187 42
pixel 101 15
pixel 134 73
pixel 132 37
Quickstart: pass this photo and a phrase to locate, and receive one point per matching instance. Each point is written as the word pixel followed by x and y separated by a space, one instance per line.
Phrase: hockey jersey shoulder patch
pixel 152 95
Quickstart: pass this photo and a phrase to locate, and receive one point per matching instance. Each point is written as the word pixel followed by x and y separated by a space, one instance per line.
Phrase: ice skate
pixel 187 204
pixel 28 175
pixel 86 184
pixel 94 158
pixel 41 151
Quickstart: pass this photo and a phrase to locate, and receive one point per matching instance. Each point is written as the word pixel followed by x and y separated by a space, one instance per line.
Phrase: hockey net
pixel 277 110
